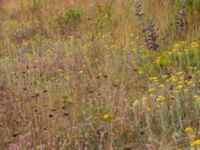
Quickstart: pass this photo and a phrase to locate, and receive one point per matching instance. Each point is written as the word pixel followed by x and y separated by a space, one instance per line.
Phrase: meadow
pixel 99 75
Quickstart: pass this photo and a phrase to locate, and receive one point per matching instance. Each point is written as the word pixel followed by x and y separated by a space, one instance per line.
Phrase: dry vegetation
pixel 106 75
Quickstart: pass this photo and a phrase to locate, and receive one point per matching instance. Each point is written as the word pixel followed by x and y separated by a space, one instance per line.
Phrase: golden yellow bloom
pixel 196 97
pixel 157 60
pixel 179 87
pixel 189 83
pixel 173 79
pixel 183 42
pixel 176 91
pixel 160 98
pixel 106 117
pixel 151 90
pixel 66 100
pixel 148 109
pixel 186 90
pixel 155 79
pixel 177 45
pixel 164 76
pixel 193 136
pixel 187 50
pixel 70 101
pixel 179 53
pixel 67 77
pixel 173 50
pixel 170 53
pixel 161 86
pixel 188 129
pixel 194 44
pixel 196 142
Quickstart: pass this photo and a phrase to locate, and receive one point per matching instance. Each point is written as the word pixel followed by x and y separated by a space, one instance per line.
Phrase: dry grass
pixel 76 75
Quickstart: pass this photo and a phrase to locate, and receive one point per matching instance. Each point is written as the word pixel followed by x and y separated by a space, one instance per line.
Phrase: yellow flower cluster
pixel 151 90
pixel 188 129
pixel 194 44
pixel 196 97
pixel 196 142
pixel 106 117
pixel 67 100
pixel 154 79
pixel 160 98
pixel 193 136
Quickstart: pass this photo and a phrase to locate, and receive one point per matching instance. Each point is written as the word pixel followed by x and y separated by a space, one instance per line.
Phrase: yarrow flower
pixel 177 45
pixel 106 117
pixel 196 142
pixel 196 97
pixel 161 86
pixel 194 44
pixel 160 98
pixel 67 100
pixel 193 136
pixel 70 101
pixel 179 87
pixel 188 129
pixel 186 90
pixel 151 90
pixel 155 79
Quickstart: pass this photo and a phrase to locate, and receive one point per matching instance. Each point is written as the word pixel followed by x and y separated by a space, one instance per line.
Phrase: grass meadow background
pixel 99 74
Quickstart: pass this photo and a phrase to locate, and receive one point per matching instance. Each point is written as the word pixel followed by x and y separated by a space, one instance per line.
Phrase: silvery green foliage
pixel 18 31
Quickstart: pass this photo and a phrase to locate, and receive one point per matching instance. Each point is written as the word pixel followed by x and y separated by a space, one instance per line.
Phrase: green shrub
pixel 71 18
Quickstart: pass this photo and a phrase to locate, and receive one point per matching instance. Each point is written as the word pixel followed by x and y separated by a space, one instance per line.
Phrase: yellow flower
pixel 189 82
pixel 160 98
pixel 155 79
pixel 188 129
pixel 173 78
pixel 66 100
pixel 173 50
pixel 176 91
pixel 164 76
pixel 157 60
pixel 187 50
pixel 196 142
pixel 179 87
pixel 148 109
pixel 186 90
pixel 194 44
pixel 170 53
pixel 67 77
pixel 70 101
pixel 106 117
pixel 183 42
pixel 151 90
pixel 177 45
pixel 193 136
pixel 196 97
pixel 179 53
pixel 161 86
